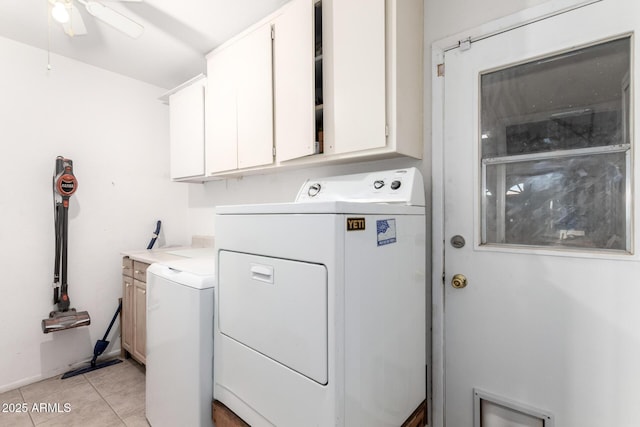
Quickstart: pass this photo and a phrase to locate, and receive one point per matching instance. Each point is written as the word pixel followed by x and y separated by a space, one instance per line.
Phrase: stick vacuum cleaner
pixel 64 185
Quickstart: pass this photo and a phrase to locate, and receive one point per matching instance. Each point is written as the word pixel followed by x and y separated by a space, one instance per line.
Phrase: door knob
pixel 459 281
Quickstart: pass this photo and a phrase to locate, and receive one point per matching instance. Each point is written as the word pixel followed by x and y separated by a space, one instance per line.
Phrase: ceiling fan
pixel 66 13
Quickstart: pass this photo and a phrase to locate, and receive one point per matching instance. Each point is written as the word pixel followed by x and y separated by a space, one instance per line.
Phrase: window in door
pixel 555 147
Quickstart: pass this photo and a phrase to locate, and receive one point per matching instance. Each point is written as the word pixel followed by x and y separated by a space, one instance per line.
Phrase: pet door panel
pixel 494 415
pixel 493 411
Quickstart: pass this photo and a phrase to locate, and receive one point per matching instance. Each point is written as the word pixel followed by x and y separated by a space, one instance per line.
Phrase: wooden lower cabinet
pixel 140 320
pixel 127 314
pixel 134 309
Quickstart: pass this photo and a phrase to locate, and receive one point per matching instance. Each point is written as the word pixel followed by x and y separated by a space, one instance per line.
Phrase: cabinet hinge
pixel 386 130
pixel 465 44
pixel 273 151
pixel 273 33
pixel 440 69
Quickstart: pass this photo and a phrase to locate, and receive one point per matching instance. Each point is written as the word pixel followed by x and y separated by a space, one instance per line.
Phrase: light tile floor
pixel 112 396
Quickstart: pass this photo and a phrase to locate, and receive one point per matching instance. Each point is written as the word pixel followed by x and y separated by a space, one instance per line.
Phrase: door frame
pixel 438 49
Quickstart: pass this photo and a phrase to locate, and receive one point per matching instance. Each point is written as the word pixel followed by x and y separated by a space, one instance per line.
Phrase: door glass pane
pixel 555 150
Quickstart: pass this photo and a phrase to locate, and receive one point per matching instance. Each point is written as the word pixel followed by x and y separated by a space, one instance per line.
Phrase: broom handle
pixel 112 321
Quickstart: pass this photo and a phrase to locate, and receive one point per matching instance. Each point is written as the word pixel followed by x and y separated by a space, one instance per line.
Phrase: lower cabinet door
pixel 140 315
pixel 127 313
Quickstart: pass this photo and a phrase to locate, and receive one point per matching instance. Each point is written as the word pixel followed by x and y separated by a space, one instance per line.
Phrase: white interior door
pixel 539 182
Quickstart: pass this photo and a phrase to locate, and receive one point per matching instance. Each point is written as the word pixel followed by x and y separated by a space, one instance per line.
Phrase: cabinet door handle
pixel 127 283
pixel 144 292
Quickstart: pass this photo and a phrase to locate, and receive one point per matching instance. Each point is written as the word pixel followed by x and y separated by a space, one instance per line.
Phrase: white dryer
pixel 321 304
pixel 179 350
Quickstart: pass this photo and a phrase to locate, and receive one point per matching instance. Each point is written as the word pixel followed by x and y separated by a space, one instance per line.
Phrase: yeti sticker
pixel 386 231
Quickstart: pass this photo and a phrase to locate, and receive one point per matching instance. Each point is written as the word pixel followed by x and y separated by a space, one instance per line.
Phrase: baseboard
pixel 45 376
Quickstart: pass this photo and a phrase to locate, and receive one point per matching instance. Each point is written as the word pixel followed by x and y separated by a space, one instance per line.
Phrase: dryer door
pixel 276 307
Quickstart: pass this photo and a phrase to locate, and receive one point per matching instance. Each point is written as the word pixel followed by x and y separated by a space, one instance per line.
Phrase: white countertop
pixel 175 253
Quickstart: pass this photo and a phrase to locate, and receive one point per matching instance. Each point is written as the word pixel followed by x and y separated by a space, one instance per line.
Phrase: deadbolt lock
pixel 459 281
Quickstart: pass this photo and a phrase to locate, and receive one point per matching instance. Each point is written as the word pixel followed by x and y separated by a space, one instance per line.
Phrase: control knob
pixel 314 189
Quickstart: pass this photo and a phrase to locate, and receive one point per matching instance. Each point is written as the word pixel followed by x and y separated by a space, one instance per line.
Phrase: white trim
pixel 511 22
pixel 479 395
pixel 438 49
pixel 437 236
pixel 165 96
pixel 558 154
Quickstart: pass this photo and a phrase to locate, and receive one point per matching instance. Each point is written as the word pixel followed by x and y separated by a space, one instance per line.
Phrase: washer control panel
pixel 394 186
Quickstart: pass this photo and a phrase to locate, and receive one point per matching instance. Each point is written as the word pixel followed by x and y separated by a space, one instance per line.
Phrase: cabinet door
pixel 140 327
pixel 255 98
pixel 354 56
pixel 186 130
pixel 294 86
pixel 127 313
pixel 221 146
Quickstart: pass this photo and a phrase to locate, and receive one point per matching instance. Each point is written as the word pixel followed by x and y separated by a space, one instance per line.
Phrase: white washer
pixel 179 351
pixel 321 304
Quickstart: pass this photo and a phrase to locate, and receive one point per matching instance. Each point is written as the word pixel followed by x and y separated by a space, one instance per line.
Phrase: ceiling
pixel 177 34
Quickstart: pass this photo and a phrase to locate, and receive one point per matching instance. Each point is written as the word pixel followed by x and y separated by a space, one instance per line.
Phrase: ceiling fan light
pixel 60 13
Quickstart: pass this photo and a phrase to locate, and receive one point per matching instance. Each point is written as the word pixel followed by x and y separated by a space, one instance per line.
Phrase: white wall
pixel 116 132
pixel 268 188
pixel 445 18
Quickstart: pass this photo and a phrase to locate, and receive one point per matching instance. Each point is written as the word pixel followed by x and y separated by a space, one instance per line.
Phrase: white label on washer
pixel 386 230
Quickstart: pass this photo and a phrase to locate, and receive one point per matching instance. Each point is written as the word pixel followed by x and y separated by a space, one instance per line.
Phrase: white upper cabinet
pixel 318 81
pixel 186 130
pixel 221 115
pixel 255 99
pixel 373 78
pixel 354 84
pixel 293 80
pixel 240 104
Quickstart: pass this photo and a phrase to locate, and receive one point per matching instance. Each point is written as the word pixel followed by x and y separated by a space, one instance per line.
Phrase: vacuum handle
pixel 64 303
pixel 56 267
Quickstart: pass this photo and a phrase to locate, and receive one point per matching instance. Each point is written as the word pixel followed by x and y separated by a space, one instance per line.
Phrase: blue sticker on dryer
pixel 386 231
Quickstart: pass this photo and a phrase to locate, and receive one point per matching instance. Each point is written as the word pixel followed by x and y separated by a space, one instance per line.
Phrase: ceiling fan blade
pixel 115 19
pixel 75 25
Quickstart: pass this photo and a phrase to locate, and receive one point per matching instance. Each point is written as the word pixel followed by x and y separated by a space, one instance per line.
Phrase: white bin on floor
pixel 179 343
